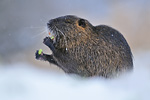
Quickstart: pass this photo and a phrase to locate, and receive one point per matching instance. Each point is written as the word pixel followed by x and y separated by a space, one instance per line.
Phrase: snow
pixel 24 81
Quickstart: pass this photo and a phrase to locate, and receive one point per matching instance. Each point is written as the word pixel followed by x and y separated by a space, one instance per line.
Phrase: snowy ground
pixel 25 82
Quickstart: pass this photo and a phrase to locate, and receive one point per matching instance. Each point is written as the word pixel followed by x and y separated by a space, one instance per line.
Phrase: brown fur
pixel 88 50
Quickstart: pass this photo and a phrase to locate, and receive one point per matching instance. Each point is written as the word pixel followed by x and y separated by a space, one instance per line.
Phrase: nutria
pixel 80 48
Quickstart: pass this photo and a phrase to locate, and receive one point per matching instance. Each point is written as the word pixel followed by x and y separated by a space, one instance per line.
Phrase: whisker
pixel 32 27
pixel 41 33
pixel 44 20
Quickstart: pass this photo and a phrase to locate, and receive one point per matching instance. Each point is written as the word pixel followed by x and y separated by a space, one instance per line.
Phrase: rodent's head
pixel 70 30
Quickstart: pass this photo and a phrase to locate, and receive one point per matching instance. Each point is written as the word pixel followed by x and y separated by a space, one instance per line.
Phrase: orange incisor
pixel 52 37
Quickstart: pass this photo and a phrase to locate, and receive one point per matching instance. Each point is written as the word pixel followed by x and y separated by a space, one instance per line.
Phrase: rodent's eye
pixel 82 23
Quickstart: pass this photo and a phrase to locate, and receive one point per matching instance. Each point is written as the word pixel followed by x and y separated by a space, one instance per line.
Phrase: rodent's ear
pixel 82 23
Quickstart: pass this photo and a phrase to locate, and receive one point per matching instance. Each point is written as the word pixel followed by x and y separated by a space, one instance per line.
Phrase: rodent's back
pixel 116 51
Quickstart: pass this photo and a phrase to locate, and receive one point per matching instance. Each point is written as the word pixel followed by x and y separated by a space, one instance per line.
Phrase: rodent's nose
pixel 51 22
pixel 48 24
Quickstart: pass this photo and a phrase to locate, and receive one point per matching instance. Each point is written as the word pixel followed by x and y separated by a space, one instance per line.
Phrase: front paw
pixel 39 54
pixel 47 41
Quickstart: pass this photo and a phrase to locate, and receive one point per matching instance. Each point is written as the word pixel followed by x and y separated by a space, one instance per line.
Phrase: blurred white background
pixel 22 25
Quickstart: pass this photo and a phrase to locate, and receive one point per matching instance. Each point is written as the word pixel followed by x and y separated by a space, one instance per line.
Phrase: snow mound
pixel 26 82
